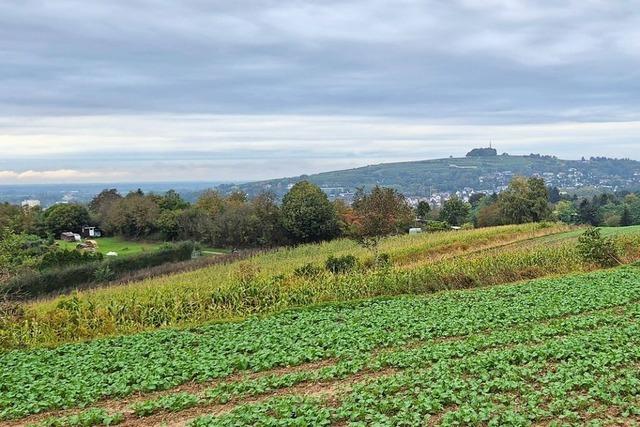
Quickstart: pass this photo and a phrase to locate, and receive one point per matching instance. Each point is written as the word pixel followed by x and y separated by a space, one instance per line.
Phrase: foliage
pixel 90 417
pixel 66 217
pixel 35 283
pixel 103 274
pixel 308 215
pixel 561 344
pixel 596 249
pixel 422 210
pixel 17 251
pixel 566 212
pixel 135 215
pixel 482 152
pixel 102 203
pixel 525 200
pixel 308 271
pixel 455 211
pixel 64 257
pixel 341 264
pixel 421 263
pixel 379 213
pixel 436 226
pixel 418 178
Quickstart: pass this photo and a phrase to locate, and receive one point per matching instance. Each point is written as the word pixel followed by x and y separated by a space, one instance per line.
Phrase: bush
pixel 104 273
pixel 593 248
pixel 341 264
pixel 383 261
pixel 436 226
pixel 308 271
pixel 59 258
pixel 35 283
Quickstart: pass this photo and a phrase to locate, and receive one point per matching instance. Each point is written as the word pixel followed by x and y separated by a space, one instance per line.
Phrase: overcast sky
pixel 132 90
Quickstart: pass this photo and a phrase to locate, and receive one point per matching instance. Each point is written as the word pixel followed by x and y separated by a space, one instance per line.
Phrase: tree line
pixel 304 215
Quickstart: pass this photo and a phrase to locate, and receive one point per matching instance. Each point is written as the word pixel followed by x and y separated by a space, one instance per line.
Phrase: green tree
pixel 270 231
pixel 172 201
pixel 455 211
pixel 65 217
pixel 15 252
pixel 566 212
pixel 588 213
pixel 525 200
pixel 422 210
pixel 103 201
pixel 554 195
pixel 307 214
pixel 211 202
pixel 133 216
pixel 625 218
pixel 633 202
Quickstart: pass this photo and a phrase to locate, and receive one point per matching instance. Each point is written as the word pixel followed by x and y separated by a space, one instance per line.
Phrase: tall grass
pixel 266 283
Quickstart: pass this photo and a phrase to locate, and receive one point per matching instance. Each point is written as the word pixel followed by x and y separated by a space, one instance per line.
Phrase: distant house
pixel 30 203
pixel 70 237
pixel 91 232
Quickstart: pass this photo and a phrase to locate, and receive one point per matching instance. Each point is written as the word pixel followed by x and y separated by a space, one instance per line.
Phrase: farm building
pixel 70 237
pixel 91 231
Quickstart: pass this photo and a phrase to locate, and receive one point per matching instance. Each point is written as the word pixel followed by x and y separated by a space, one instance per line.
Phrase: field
pixel 558 351
pixel 268 283
pixel 116 244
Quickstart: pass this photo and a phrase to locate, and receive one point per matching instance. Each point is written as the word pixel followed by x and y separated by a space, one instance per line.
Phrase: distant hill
pixel 487 173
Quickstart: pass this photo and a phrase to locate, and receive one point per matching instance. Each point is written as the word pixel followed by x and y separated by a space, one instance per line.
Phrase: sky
pixel 207 90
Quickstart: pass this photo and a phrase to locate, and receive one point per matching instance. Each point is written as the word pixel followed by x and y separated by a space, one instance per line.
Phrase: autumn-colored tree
pixel 382 212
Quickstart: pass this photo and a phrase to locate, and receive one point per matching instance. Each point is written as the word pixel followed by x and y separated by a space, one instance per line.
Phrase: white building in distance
pixel 30 203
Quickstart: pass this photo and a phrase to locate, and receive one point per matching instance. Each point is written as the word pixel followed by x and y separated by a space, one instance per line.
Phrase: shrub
pixel 593 248
pixel 35 283
pixel 341 264
pixel 383 261
pixel 436 226
pixel 59 258
pixel 308 271
pixel 104 273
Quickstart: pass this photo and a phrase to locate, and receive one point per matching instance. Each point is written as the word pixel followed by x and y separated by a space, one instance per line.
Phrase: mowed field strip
pixel 563 350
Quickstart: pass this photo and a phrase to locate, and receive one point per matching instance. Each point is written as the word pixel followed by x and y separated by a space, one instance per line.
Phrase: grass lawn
pixel 214 251
pixel 605 231
pixel 117 244
pixel 131 247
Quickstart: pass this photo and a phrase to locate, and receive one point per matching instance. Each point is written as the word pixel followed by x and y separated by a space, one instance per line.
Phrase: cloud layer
pixel 215 88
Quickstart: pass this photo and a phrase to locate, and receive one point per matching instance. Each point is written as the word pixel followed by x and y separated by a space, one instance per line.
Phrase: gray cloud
pixel 81 77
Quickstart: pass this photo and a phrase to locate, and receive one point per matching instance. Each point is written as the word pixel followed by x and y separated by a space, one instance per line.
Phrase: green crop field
pixel 116 244
pixel 556 351
pixel 268 283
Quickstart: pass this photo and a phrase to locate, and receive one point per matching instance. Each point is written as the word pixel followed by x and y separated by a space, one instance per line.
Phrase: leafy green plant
pixel 104 274
pixel 593 248
pixel 341 264
pixel 308 271
pixel 88 418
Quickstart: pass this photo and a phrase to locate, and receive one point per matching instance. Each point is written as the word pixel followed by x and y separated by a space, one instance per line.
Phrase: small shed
pixel 70 237
pixel 88 231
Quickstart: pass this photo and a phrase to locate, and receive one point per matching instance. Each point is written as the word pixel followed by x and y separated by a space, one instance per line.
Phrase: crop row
pixel 81 374
pixel 267 283
pixel 416 356
pixel 557 380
